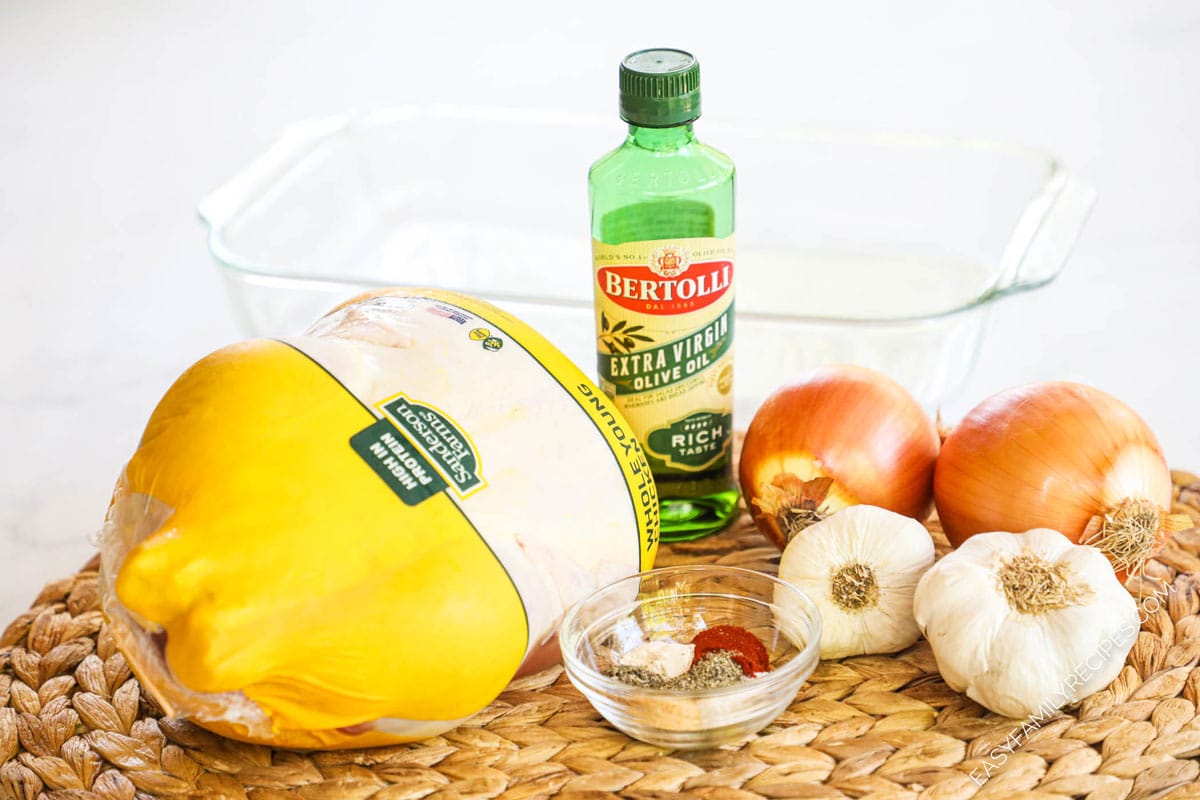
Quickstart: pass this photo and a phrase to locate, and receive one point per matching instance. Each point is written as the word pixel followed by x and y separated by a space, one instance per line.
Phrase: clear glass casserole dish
pixel 884 251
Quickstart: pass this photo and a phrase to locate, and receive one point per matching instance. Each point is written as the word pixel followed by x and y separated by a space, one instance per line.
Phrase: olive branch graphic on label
pixel 620 337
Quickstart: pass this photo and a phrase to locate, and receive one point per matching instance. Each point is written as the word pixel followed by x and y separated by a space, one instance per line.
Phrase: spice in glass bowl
pixel 743 646
pixel 673 605
pixel 716 657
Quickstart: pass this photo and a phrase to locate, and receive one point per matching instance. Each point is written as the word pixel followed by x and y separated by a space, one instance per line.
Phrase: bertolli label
pixel 664 338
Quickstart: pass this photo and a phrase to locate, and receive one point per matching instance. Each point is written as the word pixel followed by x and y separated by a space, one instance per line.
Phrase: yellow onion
pixel 839 437
pixel 1063 456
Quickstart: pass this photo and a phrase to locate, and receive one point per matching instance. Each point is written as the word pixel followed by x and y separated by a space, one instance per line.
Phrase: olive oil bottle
pixel 663 264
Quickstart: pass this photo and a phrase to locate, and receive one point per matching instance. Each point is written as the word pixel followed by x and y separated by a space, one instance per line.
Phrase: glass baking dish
pixel 885 251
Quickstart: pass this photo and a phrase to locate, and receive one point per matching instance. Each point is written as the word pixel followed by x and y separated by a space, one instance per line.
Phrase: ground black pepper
pixel 717 668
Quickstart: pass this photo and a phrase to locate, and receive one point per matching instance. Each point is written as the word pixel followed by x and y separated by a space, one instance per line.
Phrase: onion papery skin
pixel 851 425
pixel 1053 455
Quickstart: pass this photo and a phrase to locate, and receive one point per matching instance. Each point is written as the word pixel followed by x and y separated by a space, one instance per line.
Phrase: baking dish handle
pixel 297 142
pixel 1047 233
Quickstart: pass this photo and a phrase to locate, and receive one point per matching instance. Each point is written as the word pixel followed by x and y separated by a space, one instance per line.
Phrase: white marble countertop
pixel 115 118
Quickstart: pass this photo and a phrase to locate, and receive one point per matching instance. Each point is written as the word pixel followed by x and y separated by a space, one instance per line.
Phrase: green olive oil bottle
pixel 663 263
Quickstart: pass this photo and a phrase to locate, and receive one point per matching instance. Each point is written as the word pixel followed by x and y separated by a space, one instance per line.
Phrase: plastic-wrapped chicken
pixel 360 535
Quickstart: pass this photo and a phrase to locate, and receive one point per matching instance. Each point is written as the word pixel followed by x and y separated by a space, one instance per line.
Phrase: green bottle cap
pixel 660 88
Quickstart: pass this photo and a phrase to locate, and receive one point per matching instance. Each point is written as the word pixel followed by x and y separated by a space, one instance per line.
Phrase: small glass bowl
pixel 675 604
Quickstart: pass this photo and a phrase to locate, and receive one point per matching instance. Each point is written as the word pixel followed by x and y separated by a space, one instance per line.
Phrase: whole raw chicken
pixel 360 535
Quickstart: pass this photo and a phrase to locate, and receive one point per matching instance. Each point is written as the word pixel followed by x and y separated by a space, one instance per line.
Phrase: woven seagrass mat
pixel 74 723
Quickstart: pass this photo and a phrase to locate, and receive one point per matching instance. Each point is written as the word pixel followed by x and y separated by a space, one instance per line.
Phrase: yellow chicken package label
pixel 361 534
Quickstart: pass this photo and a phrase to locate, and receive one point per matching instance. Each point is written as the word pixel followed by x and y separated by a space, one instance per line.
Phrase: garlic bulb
pixel 861 567
pixel 1026 623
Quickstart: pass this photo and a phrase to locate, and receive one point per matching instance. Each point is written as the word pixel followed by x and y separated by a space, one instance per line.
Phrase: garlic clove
pixel 892 625
pixel 1093 664
pixel 965 627
pixel 1096 660
pixel 1017 683
pixel 1040 663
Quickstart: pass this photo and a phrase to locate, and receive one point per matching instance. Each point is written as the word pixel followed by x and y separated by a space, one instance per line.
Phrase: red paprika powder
pixel 742 645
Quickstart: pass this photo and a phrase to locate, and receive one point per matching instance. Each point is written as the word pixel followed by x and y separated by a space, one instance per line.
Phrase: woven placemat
pixel 75 724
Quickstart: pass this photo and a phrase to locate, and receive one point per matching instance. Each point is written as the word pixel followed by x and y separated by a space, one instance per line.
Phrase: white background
pixel 116 117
